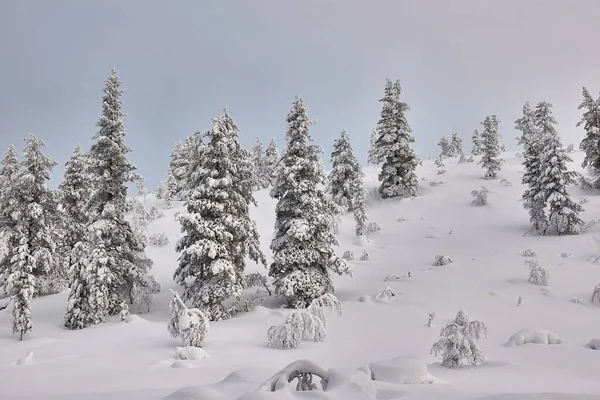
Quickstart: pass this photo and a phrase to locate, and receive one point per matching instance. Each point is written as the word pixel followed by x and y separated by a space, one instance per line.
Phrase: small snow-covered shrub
pixel 570 148
pixel 190 324
pixel 537 274
pixel 458 342
pixel 594 344
pixel 392 277
pixel 436 183
pixel 404 370
pixel 258 280
pixel 348 255
pixel 583 200
pixel 462 159
pixel 51 285
pixel 402 219
pixel 303 371
pixel 441 171
pixel 537 336
pixel 470 159
pixel 386 294
pixel 480 197
pixel 176 215
pixel 431 317
pixel 518 155
pixel 596 294
pixel 124 313
pixel 26 359
pixel 584 183
pixel 439 162
pixel 519 301
pixel 365 256
pixel 373 227
pixel 155 213
pixel 327 303
pixel 505 182
pixel 441 260
pixel 158 239
pixel 190 353
pixel 529 253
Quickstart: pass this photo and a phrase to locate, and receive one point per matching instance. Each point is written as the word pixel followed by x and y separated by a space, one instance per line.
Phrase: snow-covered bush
pixel 519 301
pixel 505 182
pixel 439 162
pixel 431 317
pixel 436 183
pixel 190 353
pixel 470 159
pixel 373 227
pixel 458 342
pixel 462 159
pixel 176 216
pixel 441 260
pixel 441 171
pixel 258 280
pixel 124 313
pixel 529 253
pixel 190 324
pixel 304 325
pixel 348 255
pixel 403 370
pixel 155 213
pixel 386 294
pixel 365 256
pixel 518 155
pixel 537 274
pixel 402 219
pixel 596 294
pixel 583 200
pixel 158 239
pixel 537 336
pixel 480 197
pixel 594 344
pixel 392 277
pixel 570 148
pixel 303 371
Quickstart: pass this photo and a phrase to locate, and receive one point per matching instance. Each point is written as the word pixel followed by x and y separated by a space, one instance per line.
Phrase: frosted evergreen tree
pixel 563 213
pixel 532 140
pixel 476 140
pixel 346 175
pixel 180 167
pixel 21 283
pixel 456 145
pixel 445 147
pixel 392 147
pixel 260 173
pixel 219 233
pixel 271 159
pixel 10 168
pixel 591 142
pixel 303 241
pixel 373 158
pixel 360 209
pixel 75 191
pixel 490 147
pixel 125 262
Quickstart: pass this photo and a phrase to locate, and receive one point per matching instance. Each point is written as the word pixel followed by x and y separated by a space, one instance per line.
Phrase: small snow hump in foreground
pixel 190 353
pixel 403 370
pixel 537 336
pixel 594 344
pixel 26 359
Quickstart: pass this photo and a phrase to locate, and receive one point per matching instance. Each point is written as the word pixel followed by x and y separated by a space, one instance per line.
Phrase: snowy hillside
pixel 135 359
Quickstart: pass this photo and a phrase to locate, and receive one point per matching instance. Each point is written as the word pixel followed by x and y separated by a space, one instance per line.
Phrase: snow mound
pixel 538 336
pixel 190 353
pixel 403 370
pixel 135 319
pixel 361 240
pixel 26 359
pixel 197 393
pixel 182 364
pixel 594 344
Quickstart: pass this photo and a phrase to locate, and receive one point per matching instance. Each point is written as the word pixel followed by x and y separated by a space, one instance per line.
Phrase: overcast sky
pixel 181 62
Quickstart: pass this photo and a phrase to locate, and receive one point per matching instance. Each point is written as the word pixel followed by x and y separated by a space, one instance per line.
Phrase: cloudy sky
pixel 182 61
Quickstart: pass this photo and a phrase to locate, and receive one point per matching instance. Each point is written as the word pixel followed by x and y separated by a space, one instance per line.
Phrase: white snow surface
pixel 134 361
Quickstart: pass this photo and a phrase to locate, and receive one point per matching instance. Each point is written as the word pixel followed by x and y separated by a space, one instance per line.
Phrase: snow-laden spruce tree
pixel 476 140
pixel 10 168
pixel 259 174
pixel 591 142
pixel 458 342
pixel 303 241
pixel 563 212
pixel 456 145
pixel 219 233
pixel 533 141
pixel 393 146
pixel 346 175
pixel 445 147
pixel 21 283
pixel 189 324
pixel 360 209
pixel 271 159
pixel 183 156
pixel 372 156
pixel 109 233
pixel 75 190
pixel 490 147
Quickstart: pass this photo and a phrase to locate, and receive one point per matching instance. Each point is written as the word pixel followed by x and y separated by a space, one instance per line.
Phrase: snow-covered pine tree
pixel 532 141
pixel 260 177
pixel 111 171
pixel 360 208
pixel 392 147
pixel 456 145
pixel 75 191
pixel 10 168
pixel 21 283
pixel 271 160
pixel 563 213
pixel 303 242
pixel 591 142
pixel 476 140
pixel 490 148
pixel 180 167
pixel 373 157
pixel 445 149
pixel 219 233
pixel 346 175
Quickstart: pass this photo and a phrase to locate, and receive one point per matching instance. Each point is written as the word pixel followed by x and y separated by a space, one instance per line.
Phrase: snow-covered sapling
pixel 256 279
pixel 441 260
pixel 124 313
pixel 537 274
pixel 596 294
pixel 348 255
pixel 519 301
pixel 458 342
pixel 386 294
pixel 505 182
pixel 373 227
pixel 441 171
pixel 303 371
pixel 470 159
pixel 158 239
pixel 439 162
pixel 155 213
pixel 570 148
pixel 529 253
pixel 365 256
pixel 480 197
pixel 462 159
pixel 392 277
pixel 431 317
pixel 190 324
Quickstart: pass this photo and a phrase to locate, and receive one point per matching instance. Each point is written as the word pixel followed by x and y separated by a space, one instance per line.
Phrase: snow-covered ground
pixel 135 359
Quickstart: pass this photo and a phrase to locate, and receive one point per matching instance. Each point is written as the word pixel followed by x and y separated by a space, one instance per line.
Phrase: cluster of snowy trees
pixel 77 236
pixel 550 207
pixel 452 147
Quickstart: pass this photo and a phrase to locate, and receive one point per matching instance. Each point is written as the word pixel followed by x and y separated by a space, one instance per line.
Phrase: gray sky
pixel 183 61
